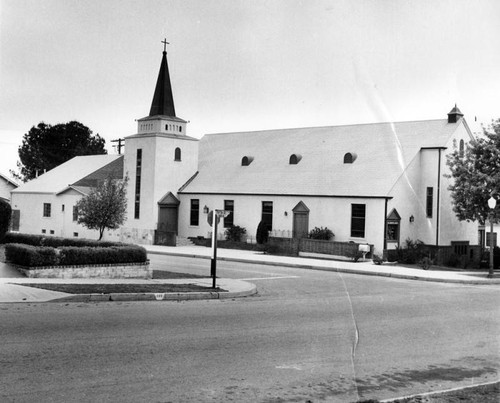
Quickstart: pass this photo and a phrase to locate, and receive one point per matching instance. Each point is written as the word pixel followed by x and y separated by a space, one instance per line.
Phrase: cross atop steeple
pixel 165 43
pixel 163 100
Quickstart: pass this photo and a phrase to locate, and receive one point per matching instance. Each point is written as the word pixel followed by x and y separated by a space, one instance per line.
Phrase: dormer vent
pixel 295 159
pixel 349 158
pixel 246 161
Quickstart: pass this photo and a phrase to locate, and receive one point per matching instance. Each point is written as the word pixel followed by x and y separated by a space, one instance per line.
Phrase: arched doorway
pixel 168 213
pixel 300 220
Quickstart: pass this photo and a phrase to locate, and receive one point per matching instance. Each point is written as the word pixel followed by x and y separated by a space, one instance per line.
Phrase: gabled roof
pixel 69 173
pixel 383 151
pixel 8 180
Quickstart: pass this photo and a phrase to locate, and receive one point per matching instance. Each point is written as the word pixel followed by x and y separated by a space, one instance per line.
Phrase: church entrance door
pixel 300 220
pixel 168 213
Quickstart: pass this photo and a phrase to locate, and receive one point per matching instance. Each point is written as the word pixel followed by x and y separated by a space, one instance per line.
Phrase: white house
pixel 6 186
pixel 373 183
pixel 46 205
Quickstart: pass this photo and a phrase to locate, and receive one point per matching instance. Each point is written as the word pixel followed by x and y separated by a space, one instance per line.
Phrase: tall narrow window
pixel 177 154
pixel 15 220
pixel 195 212
pixel 358 218
pixel 429 201
pixel 138 170
pixel 75 213
pixel 267 214
pixel 47 209
pixel 229 220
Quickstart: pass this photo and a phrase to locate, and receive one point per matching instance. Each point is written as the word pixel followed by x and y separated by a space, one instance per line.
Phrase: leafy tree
pixel 476 174
pixel 104 207
pixel 5 213
pixel 44 147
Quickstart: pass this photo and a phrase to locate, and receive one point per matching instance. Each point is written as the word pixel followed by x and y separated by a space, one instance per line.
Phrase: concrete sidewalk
pixel 316 263
pixel 11 289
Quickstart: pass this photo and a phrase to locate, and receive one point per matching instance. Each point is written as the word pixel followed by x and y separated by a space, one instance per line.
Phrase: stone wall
pixel 121 270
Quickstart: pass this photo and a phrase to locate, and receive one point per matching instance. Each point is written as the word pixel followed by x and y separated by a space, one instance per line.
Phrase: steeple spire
pixel 163 100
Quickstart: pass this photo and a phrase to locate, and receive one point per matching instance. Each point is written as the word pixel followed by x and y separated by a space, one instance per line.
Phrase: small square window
pixel 51 232
pixel 44 231
pixel 75 234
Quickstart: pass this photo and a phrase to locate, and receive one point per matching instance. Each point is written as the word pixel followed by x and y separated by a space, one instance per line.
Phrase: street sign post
pixel 213 219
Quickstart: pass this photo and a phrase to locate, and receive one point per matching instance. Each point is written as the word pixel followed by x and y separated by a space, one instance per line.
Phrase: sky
pixel 245 65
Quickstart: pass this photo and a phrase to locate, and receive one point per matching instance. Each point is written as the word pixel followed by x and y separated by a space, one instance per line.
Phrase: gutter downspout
pixel 385 224
pixel 438 197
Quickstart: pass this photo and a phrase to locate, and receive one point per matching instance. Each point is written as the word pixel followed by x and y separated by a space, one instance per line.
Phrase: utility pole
pixel 120 145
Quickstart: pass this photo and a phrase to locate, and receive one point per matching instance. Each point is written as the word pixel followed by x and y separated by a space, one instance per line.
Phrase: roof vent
pixel 349 158
pixel 295 158
pixel 246 161
pixel 455 115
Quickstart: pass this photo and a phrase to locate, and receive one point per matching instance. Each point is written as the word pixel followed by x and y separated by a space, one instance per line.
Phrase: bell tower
pixel 159 159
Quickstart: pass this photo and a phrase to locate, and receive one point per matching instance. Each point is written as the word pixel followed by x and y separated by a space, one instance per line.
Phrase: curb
pixel 165 296
pixel 333 269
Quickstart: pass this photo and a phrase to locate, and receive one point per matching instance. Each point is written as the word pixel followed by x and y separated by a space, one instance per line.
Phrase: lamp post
pixel 491 204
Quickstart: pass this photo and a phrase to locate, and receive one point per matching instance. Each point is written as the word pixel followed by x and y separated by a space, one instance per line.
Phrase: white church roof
pixel 60 177
pixel 382 151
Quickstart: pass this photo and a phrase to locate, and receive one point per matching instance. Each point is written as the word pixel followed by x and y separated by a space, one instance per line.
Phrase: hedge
pixel 42 240
pixel 28 255
pixel 31 256
pixel 116 254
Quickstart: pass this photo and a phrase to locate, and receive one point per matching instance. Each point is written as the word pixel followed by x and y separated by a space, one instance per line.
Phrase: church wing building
pixel 372 183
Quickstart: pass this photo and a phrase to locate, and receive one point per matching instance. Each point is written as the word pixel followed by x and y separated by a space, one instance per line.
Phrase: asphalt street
pixel 307 335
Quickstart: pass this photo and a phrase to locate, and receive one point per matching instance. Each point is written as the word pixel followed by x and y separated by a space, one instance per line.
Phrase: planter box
pixel 120 270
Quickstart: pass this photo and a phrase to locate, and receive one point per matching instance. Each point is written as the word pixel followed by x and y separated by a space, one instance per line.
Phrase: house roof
pixel 71 172
pixel 382 150
pixel 8 180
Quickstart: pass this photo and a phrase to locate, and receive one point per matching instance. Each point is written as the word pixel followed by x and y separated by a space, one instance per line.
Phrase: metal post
pixel 213 266
pixel 490 272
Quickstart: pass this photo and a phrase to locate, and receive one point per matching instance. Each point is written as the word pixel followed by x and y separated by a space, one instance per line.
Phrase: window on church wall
pixel 47 207
pixel 429 201
pixel 138 169
pixel 461 148
pixel 229 220
pixel 267 214
pixel 194 218
pixel 180 129
pixel 358 218
pixel 177 154
pixel 75 213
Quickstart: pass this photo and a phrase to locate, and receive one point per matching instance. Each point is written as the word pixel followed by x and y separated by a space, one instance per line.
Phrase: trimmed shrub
pixel 71 255
pixel 321 233
pixel 28 255
pixel 5 214
pixel 42 240
pixel 235 233
pixel 377 259
pixel 411 252
pixel 262 233
pixel 425 263
pixel 32 256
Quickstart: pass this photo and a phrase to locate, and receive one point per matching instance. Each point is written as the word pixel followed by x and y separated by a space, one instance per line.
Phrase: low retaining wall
pixel 121 270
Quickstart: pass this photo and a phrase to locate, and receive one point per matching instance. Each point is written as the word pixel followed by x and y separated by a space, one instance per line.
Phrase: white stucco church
pixel 375 183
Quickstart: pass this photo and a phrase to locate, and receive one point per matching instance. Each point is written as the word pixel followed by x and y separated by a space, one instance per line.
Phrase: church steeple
pixel 163 100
